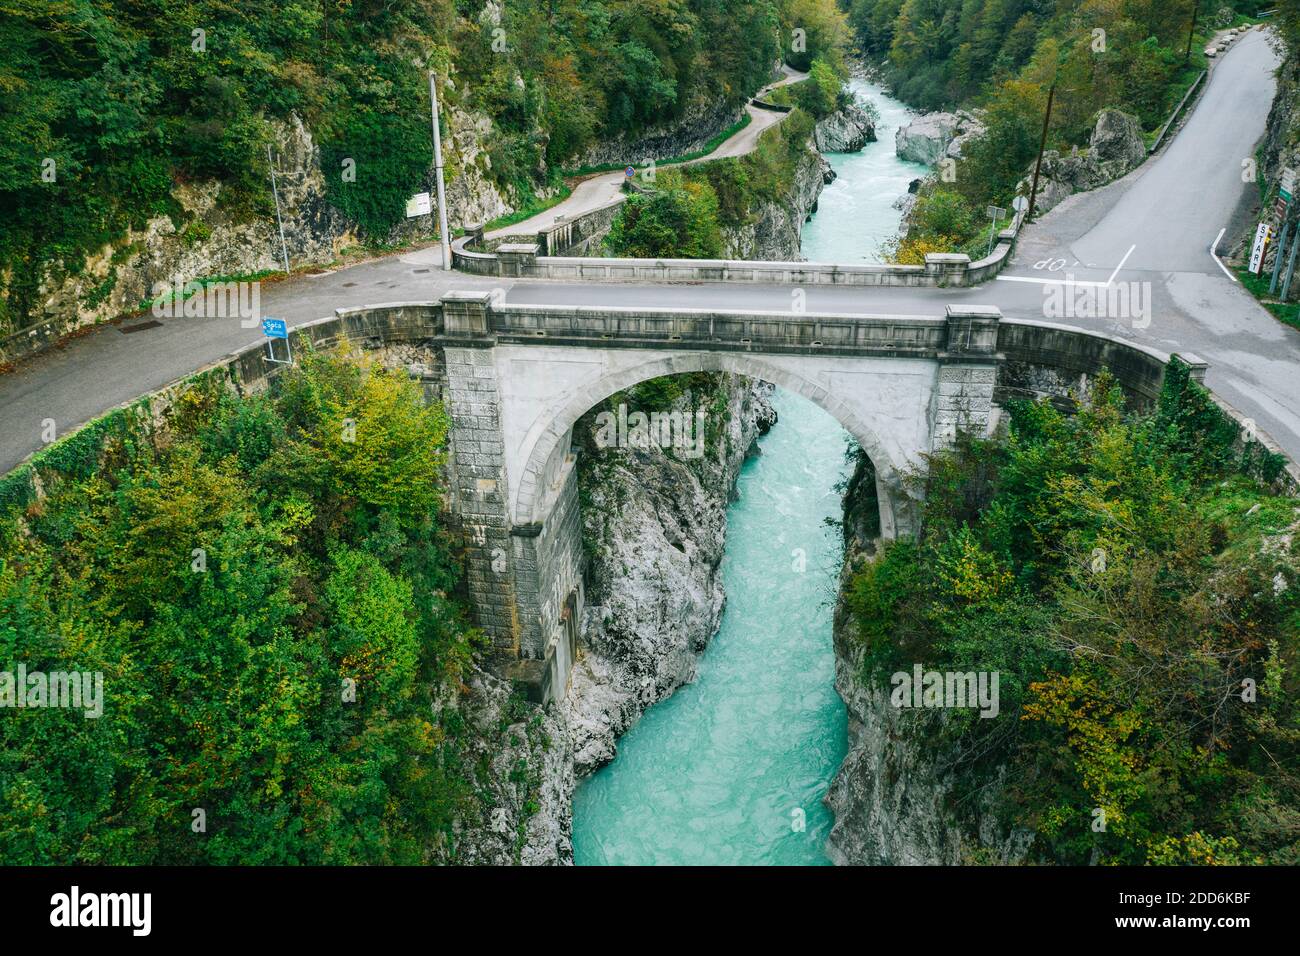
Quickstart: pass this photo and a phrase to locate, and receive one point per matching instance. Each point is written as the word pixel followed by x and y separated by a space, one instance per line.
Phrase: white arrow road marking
pixel 1214 254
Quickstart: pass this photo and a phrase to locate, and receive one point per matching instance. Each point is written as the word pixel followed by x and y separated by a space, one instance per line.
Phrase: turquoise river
pixel 732 768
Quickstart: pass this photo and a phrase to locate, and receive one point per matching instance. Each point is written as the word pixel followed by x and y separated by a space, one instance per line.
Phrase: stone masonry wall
pixel 964 400
pixel 478 467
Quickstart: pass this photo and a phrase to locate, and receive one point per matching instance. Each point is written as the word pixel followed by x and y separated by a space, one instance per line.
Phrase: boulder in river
pixel 846 130
pixel 932 136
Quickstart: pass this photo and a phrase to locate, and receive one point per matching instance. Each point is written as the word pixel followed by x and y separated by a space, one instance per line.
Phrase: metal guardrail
pixel 1177 109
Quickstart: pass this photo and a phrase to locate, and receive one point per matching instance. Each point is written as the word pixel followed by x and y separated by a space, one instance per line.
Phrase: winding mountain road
pixel 604 188
pixel 1153 227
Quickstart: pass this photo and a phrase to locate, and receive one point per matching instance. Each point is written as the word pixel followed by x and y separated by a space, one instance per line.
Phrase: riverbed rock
pixel 931 136
pixel 846 130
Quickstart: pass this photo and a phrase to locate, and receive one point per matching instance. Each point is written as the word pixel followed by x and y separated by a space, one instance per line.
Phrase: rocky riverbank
pixel 895 798
pixel 935 136
pixel 846 130
pixel 775 228
pixel 654 525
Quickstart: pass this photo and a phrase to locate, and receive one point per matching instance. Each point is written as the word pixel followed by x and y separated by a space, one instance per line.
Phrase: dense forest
pixel 106 107
pixel 267 597
pixel 1136 587
pixel 941 54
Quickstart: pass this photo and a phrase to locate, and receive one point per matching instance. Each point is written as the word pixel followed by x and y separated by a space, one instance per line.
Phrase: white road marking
pixel 1101 285
pixel 1214 254
pixel 1051 281
pixel 1121 265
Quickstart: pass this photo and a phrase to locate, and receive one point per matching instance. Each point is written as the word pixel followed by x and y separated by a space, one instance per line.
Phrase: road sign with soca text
pixel 275 329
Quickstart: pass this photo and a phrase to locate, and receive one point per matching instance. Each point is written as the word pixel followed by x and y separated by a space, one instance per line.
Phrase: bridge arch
pixel 551 430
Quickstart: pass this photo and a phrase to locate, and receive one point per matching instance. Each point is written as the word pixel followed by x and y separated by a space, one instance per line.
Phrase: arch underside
pixel 884 409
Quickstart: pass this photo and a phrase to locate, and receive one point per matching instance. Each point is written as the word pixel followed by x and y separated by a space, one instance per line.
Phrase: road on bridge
pixel 1154 226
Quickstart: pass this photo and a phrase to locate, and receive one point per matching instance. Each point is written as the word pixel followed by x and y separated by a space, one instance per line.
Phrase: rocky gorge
pixel 775 229
pixel 654 528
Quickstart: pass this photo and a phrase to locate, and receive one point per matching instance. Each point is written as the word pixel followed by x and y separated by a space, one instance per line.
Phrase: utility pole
pixel 1042 144
pixel 1187 55
pixel 284 249
pixel 437 175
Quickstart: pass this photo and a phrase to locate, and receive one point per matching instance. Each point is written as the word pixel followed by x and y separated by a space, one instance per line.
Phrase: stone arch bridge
pixel 516 379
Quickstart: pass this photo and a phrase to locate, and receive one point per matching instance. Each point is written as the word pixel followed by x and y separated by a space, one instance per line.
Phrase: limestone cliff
pixel 700 122
pixel 654 524
pixel 775 225
pixel 1279 150
pixel 522 763
pixel 1115 148
pixel 896 798
pixel 206 241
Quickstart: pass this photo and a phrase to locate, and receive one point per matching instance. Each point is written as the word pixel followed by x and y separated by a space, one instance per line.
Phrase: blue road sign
pixel 275 329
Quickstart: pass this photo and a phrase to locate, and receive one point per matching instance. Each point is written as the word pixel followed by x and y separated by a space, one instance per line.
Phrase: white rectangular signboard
pixel 1257 250
pixel 418 205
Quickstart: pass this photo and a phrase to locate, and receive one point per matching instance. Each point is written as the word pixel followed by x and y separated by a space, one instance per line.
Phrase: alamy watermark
pixel 194 299
pixel 79 690
pixel 946 689
pixel 1129 301
pixel 681 431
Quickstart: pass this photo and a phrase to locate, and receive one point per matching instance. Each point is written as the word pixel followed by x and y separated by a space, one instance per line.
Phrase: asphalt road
pixel 1153 228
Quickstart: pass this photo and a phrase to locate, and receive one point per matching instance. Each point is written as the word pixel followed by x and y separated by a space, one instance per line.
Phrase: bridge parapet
pixel 561 248
pixel 480 314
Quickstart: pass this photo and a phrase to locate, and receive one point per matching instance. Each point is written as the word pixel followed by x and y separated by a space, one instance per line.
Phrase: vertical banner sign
pixel 1262 235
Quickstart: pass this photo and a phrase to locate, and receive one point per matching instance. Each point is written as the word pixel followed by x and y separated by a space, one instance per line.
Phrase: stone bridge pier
pixel 520 377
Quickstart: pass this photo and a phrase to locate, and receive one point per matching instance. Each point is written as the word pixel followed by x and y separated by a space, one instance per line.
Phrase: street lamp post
pixel 437 175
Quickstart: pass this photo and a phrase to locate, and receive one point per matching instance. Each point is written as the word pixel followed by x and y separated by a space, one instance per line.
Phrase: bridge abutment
pixel 524 578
